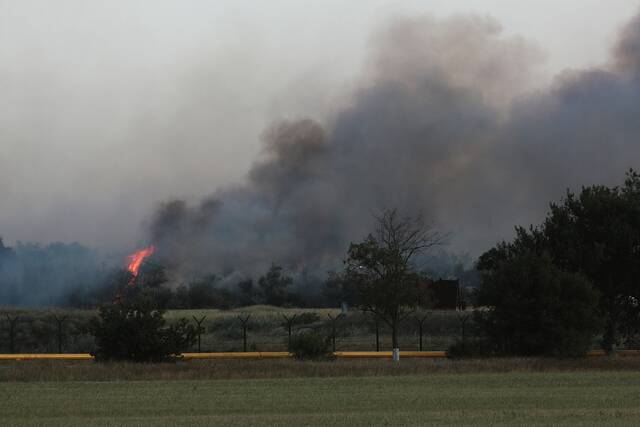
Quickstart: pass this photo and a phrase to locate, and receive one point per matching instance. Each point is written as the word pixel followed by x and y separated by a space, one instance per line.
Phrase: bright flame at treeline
pixel 136 259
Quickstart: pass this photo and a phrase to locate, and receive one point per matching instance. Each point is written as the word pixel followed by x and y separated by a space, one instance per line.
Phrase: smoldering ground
pixel 442 122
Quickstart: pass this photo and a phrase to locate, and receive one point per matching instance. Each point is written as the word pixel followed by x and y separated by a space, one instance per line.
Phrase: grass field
pixel 517 398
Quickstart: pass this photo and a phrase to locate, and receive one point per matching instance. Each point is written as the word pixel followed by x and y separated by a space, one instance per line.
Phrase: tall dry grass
pixel 243 369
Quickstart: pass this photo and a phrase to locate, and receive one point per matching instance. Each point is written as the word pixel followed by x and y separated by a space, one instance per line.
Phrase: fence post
pixel 289 322
pixel 463 318
pixel 421 321
pixel 12 331
pixel 377 333
pixel 60 322
pixel 333 328
pixel 200 329
pixel 244 322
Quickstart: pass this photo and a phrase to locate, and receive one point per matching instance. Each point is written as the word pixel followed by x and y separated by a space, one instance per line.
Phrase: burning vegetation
pixel 137 258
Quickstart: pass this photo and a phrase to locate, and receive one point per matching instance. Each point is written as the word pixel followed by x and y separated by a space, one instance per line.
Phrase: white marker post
pixel 396 354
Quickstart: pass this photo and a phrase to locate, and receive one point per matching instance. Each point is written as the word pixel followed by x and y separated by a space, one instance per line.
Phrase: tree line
pixel 577 275
pixel 550 291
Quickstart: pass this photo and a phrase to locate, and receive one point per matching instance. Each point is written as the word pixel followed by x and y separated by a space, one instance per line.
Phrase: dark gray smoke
pixel 35 275
pixel 443 123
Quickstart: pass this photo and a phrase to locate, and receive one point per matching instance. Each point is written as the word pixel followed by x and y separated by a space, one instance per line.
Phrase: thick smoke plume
pixel 443 123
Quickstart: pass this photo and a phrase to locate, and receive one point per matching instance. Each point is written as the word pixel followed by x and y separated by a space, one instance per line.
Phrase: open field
pixel 516 398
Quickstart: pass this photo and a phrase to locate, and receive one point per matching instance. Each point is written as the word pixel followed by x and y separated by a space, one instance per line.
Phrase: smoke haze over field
pixel 446 116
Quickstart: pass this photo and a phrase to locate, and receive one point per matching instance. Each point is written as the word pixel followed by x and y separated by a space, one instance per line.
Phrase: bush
pixel 134 329
pixel 535 308
pixel 310 346
pixel 306 318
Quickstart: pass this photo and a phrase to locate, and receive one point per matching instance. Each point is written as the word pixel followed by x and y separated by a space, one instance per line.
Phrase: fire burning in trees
pixel 136 259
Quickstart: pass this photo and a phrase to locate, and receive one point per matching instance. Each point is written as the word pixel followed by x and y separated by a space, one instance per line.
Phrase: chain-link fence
pixel 66 331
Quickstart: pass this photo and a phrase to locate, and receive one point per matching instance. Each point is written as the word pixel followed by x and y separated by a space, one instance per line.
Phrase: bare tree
pixel 383 269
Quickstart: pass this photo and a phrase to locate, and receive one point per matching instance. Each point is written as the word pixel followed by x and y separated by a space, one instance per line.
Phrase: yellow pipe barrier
pixel 79 356
pixel 239 355
pixel 184 356
pixel 387 354
pixel 285 355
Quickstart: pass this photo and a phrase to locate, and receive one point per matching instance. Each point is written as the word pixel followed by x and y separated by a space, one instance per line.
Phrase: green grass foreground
pixel 516 398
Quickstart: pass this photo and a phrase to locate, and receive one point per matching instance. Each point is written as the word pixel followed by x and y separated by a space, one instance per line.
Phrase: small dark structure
pixel 288 323
pixel 199 330
pixel 445 294
pixel 245 325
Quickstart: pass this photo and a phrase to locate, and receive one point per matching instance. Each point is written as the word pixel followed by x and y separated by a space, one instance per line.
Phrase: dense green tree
pixel 134 329
pixel 274 286
pixel 337 289
pixel 180 299
pixel 595 234
pixel 151 275
pixel 246 292
pixel 535 308
pixel 202 293
pixel 383 271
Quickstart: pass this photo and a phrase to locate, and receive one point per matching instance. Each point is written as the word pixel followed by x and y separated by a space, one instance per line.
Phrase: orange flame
pixel 136 259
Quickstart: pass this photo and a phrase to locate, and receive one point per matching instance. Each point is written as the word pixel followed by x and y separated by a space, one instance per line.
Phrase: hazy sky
pixel 108 108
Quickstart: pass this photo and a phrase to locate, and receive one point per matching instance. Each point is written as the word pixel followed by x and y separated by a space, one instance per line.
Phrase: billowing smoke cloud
pixel 442 123
pixel 31 274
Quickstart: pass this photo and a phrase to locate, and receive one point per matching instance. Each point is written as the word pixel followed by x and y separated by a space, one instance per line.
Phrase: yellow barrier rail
pixel 388 354
pixel 285 355
pixel 239 355
pixel 79 356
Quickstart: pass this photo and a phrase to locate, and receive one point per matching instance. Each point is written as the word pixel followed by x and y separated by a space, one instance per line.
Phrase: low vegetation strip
pixel 208 369
pixel 286 355
pixel 576 398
